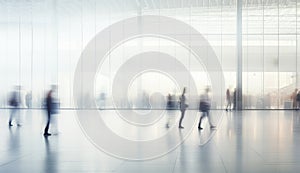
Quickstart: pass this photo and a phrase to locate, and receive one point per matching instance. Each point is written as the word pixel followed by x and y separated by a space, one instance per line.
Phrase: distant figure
pixel 145 100
pixel 228 100
pixel 234 99
pixel 183 105
pixel 204 107
pixel 102 100
pixel 169 108
pixel 49 108
pixel 14 102
pixel 294 98
pixel 298 100
pixel 28 99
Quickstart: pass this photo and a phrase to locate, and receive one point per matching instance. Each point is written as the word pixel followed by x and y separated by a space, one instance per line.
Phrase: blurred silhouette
pixel 204 107
pixel 14 103
pixel 157 101
pixel 183 105
pixel 28 99
pixel 294 99
pixel 145 101
pixel 228 100
pixel 169 108
pixel 49 110
pixel 234 99
pixel 298 100
pixel 52 107
pixel 169 102
pixel 102 100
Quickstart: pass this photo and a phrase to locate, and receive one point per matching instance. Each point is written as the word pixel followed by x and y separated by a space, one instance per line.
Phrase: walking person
pixel 228 100
pixel 204 108
pixel 14 102
pixel 49 109
pixel 183 105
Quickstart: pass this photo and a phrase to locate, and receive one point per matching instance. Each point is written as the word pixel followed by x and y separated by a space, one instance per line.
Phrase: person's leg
pixel 48 124
pixel 47 128
pixel 227 106
pixel 209 120
pixel 294 104
pixel 181 118
pixel 199 125
pixel 12 114
pixel 168 118
pixel 234 105
pixel 18 116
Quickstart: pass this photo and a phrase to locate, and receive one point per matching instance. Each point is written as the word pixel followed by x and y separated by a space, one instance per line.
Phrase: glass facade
pixel 270 53
pixel 41 42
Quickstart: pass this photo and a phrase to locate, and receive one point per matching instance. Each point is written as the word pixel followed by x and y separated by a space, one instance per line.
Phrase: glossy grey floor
pixel 245 141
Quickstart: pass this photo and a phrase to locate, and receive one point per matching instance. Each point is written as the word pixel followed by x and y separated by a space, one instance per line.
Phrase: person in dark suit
pixel 183 105
pixel 49 109
pixel 204 107
pixel 14 102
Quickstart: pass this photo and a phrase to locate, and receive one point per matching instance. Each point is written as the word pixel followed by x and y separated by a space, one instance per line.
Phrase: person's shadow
pixel 50 161
pixel 14 141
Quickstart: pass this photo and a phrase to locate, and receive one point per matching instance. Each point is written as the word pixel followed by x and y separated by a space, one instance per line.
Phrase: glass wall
pixel 41 42
pixel 270 53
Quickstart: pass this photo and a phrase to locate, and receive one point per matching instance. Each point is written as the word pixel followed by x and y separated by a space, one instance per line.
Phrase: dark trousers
pixel 48 122
pixel 181 118
pixel 12 115
pixel 205 114
pixel 234 105
pixel 228 105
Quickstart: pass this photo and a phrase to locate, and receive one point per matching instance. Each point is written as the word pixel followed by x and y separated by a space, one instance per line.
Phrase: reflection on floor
pixel 247 141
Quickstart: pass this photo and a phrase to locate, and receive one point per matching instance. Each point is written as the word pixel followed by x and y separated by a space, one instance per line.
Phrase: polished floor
pixel 244 141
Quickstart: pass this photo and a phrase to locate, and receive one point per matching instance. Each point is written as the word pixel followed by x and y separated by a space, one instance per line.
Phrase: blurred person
pixel 228 99
pixel 14 102
pixel 294 98
pixel 52 107
pixel 234 99
pixel 204 107
pixel 169 108
pixel 298 101
pixel 28 99
pixel 102 100
pixel 145 100
pixel 183 105
pixel 55 111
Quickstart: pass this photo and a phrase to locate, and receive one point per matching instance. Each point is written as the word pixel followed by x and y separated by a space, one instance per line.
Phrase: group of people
pixel 230 100
pixel 15 102
pixel 204 108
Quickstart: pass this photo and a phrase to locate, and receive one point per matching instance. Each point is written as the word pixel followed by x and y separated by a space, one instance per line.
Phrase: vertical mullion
pixel 239 54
